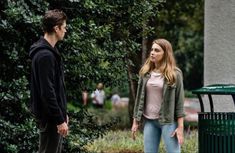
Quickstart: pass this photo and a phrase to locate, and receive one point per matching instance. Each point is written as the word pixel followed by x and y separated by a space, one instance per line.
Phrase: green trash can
pixel 216 130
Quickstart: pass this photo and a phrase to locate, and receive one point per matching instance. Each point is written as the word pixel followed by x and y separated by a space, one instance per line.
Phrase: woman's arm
pixel 179 131
pixel 135 126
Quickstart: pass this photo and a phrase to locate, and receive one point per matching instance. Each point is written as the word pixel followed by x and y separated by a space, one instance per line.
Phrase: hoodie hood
pixel 42 44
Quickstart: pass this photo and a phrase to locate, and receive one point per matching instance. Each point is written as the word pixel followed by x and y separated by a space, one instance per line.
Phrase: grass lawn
pixel 121 142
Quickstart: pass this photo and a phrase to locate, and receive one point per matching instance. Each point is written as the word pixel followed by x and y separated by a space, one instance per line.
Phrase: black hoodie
pixel 48 100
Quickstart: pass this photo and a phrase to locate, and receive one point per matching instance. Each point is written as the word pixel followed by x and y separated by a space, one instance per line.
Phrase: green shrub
pixel 106 115
pixel 108 105
pixel 189 94
pixel 23 137
pixel 18 138
pixel 84 129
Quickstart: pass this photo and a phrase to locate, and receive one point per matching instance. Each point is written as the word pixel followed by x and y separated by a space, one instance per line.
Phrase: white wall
pixel 219 47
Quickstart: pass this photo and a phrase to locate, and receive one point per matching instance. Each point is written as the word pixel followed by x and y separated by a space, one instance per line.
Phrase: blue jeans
pixel 152 136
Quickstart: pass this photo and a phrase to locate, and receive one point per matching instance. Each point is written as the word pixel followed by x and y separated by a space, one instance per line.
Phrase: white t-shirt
pixel 154 89
pixel 115 98
pixel 99 95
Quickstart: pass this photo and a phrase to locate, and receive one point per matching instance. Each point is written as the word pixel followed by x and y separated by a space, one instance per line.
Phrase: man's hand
pixel 63 129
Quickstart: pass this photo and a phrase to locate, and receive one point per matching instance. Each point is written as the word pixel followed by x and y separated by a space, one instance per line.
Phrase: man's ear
pixel 56 28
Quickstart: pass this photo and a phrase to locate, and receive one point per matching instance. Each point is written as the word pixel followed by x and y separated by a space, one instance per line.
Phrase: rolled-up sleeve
pixel 179 96
pixel 137 99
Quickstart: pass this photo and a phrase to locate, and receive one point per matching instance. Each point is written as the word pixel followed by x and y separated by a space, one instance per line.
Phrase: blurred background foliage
pixel 107 41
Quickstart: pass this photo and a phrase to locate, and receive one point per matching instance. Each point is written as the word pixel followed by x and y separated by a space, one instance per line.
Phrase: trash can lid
pixel 219 89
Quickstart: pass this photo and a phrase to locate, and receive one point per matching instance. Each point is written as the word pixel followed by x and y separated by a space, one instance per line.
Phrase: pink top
pixel 154 89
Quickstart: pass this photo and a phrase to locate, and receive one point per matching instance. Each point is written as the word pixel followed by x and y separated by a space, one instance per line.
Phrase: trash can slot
pixel 211 102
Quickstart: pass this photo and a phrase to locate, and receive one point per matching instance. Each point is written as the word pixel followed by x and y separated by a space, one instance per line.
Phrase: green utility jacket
pixel 173 99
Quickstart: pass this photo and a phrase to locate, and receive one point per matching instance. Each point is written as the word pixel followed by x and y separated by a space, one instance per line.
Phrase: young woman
pixel 159 100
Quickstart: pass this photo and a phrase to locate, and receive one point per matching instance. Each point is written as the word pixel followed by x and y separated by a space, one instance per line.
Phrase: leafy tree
pixel 182 23
pixel 112 40
pixel 20 27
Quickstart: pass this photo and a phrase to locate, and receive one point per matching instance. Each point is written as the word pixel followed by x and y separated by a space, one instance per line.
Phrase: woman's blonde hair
pixel 167 65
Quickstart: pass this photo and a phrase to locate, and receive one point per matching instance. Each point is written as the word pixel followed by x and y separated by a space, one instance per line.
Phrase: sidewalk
pixel 192 107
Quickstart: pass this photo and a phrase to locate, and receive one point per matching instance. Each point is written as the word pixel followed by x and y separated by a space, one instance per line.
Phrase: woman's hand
pixel 179 132
pixel 134 129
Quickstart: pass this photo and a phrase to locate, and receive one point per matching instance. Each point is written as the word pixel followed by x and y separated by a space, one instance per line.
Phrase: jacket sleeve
pixel 137 99
pixel 179 95
pixel 46 71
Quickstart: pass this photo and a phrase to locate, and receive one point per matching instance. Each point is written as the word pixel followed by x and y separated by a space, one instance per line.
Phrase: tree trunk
pixel 132 93
pixel 138 60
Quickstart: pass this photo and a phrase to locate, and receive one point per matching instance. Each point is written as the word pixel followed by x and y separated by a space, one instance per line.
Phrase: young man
pixel 48 100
